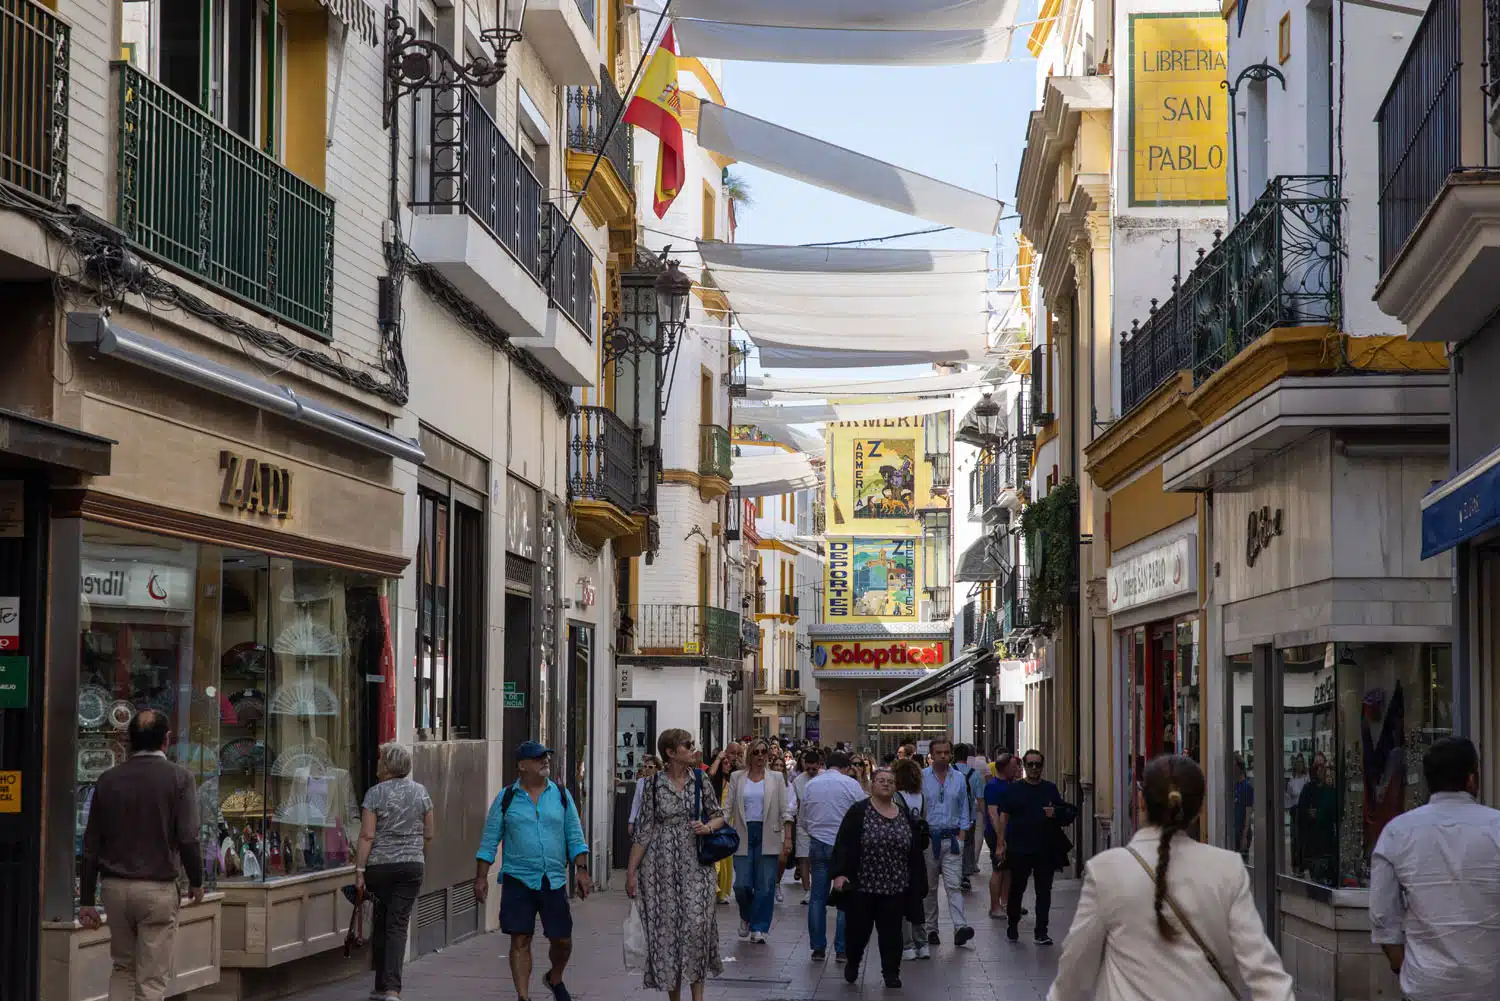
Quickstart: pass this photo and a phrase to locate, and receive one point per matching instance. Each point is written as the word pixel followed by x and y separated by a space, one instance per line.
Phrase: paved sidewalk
pixel 987 969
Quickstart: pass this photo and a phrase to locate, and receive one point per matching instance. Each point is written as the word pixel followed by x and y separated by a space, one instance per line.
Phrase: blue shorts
pixel 520 905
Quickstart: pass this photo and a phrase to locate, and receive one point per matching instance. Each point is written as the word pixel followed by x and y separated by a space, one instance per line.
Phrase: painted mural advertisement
pixel 878 478
pixel 1179 110
pixel 871 580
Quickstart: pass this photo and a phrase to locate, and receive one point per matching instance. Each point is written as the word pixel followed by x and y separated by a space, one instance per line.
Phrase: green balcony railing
pixel 34 114
pixel 200 198
pixel 713 451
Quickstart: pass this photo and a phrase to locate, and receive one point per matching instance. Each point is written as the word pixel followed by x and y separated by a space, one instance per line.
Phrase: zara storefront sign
pixel 1155 575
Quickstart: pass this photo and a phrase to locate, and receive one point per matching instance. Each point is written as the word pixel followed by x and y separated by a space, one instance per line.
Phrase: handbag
pixel 721 843
pixel 355 938
pixel 1182 919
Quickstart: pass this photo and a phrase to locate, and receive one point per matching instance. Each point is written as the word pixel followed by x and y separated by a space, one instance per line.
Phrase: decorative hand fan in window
pixel 305 592
pixel 302 813
pixel 306 638
pixel 245 754
pixel 306 759
pixel 304 698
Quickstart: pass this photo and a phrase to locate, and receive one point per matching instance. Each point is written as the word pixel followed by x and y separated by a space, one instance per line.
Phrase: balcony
pixel 1280 266
pixel 984 486
pixel 1017 599
pixel 1041 416
pixel 1021 414
pixel 791 605
pixel 561 33
pixel 714 461
pixel 671 631
pixel 604 459
pixel 484 224
pixel 609 198
pixel 734 515
pixel 196 196
pixel 34 118
pixel 1439 194
pixel 737 379
pixel 791 682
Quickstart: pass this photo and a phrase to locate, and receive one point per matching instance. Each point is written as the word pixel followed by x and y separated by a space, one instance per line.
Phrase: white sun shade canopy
pixel 781 416
pixel 768 387
pixel 886 15
pixel 834 168
pixel 774 472
pixel 846 46
pixel 820 307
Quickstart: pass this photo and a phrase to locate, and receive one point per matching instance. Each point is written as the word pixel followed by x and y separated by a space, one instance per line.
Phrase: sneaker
pixel 923 952
pixel 806 900
pixel 1013 933
pixel 819 955
pixel 780 894
pixel 758 937
pixel 907 955
pixel 744 929
pixel 1043 939
pixel 893 981
pixel 933 938
pixel 963 935
pixel 840 957
pixel 966 884
pixel 559 992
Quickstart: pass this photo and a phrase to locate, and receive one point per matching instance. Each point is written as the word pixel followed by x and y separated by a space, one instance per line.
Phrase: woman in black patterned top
pixel 879 874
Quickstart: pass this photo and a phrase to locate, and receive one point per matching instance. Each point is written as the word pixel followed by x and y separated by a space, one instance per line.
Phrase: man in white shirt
pixel 824 802
pixel 1435 885
pixel 812 766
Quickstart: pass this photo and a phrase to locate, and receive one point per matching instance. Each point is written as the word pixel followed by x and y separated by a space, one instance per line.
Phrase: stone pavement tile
pixel 987 969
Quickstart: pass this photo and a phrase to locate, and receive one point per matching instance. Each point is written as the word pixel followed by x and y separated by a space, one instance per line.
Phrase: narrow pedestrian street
pixel 987 969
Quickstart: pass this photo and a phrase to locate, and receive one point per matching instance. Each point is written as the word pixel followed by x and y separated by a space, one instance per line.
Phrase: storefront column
pixel 1265 665
pixel 61 754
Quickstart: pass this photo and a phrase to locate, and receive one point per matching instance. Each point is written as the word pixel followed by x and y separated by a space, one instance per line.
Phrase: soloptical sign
pixel 878 654
pixel 1179 109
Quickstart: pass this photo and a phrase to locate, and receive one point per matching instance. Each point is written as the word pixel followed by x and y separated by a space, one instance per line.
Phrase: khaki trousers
pixel 142 924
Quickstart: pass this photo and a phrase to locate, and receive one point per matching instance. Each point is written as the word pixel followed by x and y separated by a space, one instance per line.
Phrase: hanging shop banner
pixel 1179 110
pixel 875 654
pixel 878 478
pixel 871 580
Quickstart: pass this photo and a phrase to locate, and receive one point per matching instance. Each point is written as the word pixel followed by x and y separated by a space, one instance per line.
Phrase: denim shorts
pixel 520 905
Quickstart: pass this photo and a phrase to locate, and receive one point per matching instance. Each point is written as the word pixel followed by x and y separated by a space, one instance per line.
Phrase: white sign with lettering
pixel 1158 574
pixel 137 585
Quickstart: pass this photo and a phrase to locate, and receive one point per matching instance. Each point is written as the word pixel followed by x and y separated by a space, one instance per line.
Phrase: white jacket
pixel 1114 951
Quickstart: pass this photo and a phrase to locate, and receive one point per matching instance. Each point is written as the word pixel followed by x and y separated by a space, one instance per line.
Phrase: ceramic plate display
pixel 304 698
pixel 93 706
pixel 96 755
pixel 120 714
pixel 306 638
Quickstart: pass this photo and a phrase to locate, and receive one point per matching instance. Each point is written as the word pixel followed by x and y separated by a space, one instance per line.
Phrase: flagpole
pixel 604 144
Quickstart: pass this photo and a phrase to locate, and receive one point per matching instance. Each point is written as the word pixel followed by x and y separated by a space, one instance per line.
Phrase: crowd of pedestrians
pixel 885 844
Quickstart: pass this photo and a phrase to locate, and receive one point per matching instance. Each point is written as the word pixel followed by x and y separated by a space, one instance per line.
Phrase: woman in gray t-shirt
pixel 395 826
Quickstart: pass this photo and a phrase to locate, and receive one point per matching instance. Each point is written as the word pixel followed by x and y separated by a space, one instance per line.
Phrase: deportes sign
pixel 831 655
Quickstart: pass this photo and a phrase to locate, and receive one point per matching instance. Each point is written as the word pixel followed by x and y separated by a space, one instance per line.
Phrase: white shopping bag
pixel 635 938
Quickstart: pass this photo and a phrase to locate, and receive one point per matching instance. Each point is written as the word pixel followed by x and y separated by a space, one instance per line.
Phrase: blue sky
pixel 961 124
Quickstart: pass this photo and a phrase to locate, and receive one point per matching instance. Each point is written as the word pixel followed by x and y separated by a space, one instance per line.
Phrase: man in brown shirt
pixel 143 818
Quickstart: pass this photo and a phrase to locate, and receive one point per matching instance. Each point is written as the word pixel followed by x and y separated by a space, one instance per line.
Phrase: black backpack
pixel 510 794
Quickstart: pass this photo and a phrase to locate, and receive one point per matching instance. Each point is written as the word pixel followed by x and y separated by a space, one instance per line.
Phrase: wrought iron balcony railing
pixel 475 170
pixel 1278 267
pixel 1421 120
pixel 942 470
pixel 984 485
pixel 685 631
pixel 34 118
pixel 604 459
pixel 1018 599
pixel 1021 412
pixel 941 599
pixel 739 363
pixel 713 451
pixel 1039 412
pixel 734 515
pixel 971 622
pixel 591 111
pixel 194 194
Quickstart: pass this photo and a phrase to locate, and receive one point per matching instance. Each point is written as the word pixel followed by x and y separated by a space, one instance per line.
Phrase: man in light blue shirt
pixel 945 791
pixel 536 826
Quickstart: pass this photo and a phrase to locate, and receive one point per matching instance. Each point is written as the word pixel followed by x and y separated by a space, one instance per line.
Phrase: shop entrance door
pixel 516 714
pixel 580 719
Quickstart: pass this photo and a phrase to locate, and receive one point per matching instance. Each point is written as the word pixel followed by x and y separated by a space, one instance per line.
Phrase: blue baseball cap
pixel 531 749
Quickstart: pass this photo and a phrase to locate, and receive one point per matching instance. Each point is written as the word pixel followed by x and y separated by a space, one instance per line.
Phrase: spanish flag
pixel 657 108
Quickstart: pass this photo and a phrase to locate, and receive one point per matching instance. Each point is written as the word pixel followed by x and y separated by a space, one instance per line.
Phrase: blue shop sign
pixel 1465 506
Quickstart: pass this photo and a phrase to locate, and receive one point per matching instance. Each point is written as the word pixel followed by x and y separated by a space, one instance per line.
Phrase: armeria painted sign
pixel 878 654
pixel 1164 572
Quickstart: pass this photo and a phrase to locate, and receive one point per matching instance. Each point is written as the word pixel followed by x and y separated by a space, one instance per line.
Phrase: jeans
pixel 142 928
pixel 821 855
pixel 755 880
pixel 880 913
pixel 1023 867
pixel 949 872
pixel 394 887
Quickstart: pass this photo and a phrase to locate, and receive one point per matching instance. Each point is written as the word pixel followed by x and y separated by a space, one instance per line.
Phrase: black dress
pixel 881 857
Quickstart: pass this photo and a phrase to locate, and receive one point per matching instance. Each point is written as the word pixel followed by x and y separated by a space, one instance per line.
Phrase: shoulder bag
pixel 721 843
pixel 355 938
pixel 1182 919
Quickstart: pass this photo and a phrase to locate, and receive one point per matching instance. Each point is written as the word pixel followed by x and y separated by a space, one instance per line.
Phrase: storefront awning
pixel 978 564
pixel 1466 506
pixel 950 675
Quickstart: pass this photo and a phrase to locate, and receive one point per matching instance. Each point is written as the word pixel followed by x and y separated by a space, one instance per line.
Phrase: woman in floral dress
pixel 677 895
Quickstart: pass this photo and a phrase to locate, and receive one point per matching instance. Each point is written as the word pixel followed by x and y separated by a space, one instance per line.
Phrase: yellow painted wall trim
pixel 306 99
pixel 1227 7
pixel 685 476
pixel 1276 353
pixel 608 200
pixel 695 66
pixel 777 545
pixel 1141 508
pixel 1045 18
pixel 712 487
pixel 1021 365
pixel 1394 353
pixel 1049 432
pixel 1158 423
pixel 689 115
pixel 722 160
pixel 599 521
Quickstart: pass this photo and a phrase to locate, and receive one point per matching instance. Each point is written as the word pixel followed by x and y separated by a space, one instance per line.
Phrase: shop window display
pixel 1240 796
pixel 257 660
pixel 1357 719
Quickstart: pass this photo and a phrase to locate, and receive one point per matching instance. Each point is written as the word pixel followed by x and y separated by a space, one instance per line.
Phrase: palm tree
pixel 737 189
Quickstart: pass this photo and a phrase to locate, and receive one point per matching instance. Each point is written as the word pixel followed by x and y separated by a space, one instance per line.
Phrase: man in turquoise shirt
pixel 535 826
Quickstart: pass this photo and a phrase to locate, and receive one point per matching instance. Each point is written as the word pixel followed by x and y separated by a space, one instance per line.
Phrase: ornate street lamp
pixel 412 63
pixel 674 290
pixel 987 415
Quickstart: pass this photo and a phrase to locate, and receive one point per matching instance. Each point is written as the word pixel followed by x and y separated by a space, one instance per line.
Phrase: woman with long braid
pixel 1167 918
